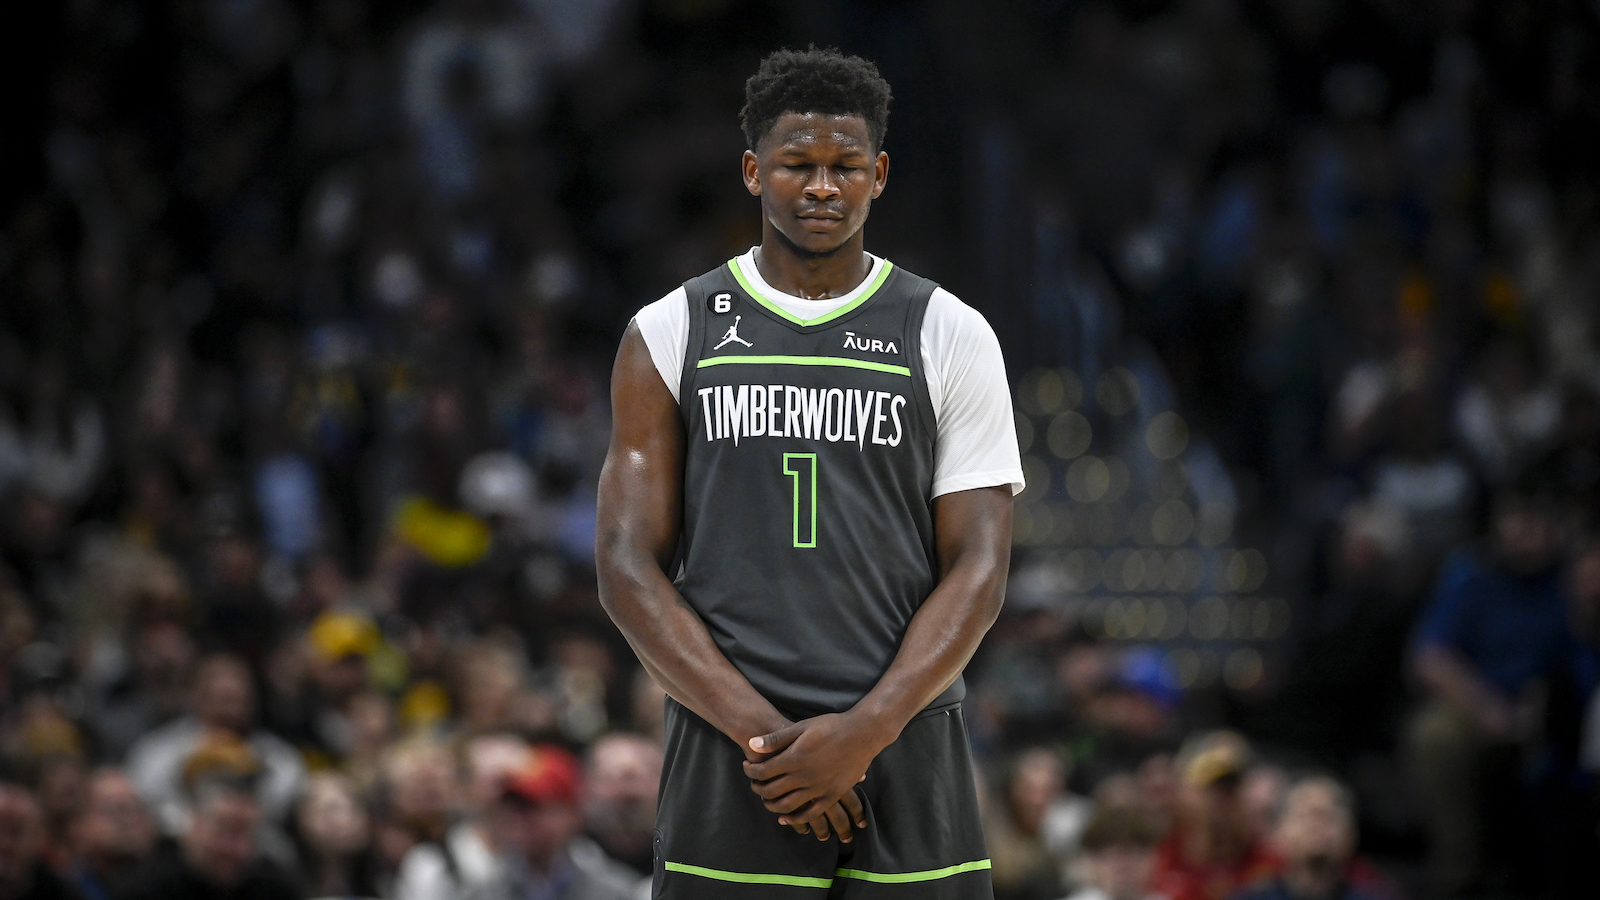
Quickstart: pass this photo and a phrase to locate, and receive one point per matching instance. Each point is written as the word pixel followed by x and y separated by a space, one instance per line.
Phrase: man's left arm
pixel 819 760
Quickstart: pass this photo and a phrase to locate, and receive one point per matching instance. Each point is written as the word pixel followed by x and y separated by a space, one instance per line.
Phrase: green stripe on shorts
pixel 976 865
pixel 749 877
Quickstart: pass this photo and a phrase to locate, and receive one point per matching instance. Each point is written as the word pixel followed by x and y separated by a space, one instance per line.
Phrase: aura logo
pixel 853 341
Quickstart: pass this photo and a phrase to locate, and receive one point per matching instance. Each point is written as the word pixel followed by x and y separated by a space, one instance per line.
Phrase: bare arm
pixel 1450 676
pixel 817 761
pixel 639 518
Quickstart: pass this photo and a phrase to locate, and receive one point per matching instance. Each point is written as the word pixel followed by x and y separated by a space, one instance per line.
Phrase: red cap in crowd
pixel 551 775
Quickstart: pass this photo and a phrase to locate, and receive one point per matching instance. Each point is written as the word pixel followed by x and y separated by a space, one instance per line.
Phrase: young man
pixel 805 525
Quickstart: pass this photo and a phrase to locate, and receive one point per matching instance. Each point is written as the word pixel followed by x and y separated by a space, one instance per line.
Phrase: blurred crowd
pixel 306 313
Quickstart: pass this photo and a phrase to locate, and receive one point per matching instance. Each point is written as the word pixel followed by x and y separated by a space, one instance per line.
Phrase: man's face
pixel 1527 536
pixel 1315 830
pixel 114 824
pixel 221 841
pixel 222 697
pixel 817 176
pixel 1123 872
pixel 20 833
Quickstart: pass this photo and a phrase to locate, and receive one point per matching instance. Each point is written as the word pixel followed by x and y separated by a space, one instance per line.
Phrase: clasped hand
pixel 807 772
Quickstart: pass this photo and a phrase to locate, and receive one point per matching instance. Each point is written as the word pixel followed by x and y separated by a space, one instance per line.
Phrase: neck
pixel 812 276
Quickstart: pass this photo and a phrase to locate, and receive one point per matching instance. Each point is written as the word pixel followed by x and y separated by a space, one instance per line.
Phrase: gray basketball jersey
pixel 808 522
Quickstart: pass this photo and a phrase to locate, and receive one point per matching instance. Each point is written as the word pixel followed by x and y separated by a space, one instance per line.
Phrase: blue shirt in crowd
pixel 1511 627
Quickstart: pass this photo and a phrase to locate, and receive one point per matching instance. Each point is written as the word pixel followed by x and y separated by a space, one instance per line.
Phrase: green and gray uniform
pixel 808 545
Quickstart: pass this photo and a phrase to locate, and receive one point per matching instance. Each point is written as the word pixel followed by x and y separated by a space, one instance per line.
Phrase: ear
pixel 880 174
pixel 752 173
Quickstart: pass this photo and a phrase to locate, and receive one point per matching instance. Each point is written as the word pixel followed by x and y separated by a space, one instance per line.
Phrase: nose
pixel 822 185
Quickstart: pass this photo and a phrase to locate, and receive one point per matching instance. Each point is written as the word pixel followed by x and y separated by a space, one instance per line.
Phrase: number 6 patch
pixel 720 303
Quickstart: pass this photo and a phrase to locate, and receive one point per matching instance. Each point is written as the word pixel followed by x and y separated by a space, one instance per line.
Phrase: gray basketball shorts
pixel 715 841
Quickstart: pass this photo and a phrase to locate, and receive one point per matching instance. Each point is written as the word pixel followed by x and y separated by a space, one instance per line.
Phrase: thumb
pixel 777 740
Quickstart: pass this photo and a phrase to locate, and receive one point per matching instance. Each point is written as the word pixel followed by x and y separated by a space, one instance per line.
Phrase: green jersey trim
pixel 843 361
pixel 883 274
pixel 977 865
pixel 749 877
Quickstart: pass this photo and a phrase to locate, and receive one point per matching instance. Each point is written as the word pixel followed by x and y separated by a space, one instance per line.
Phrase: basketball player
pixel 805 526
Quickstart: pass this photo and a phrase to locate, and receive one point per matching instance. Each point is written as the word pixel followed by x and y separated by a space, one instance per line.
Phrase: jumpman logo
pixel 733 335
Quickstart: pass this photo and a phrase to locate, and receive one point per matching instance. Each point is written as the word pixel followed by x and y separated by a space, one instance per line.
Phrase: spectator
pixel 334 832
pixel 110 835
pixel 424 782
pixel 1212 850
pixel 1494 631
pixel 1506 416
pixel 1315 836
pixel 1119 847
pixel 1017 827
pixel 622 777
pixel 217 856
pixel 222 704
pixel 539 822
pixel 23 874
pixel 467 858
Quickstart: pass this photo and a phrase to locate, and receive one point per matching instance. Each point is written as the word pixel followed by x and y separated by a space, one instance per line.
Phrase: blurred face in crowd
pixel 1123 871
pixel 21 835
pixel 221 840
pixel 1216 810
pixel 1315 834
pixel 1261 793
pixel 1527 536
pixel 424 784
pixel 1037 782
pixel 1585 593
pixel 341 679
pixel 490 759
pixel 114 828
pixel 223 695
pixel 624 775
pixel 332 818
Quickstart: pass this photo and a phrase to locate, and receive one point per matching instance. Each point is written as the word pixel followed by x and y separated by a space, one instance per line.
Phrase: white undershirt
pixel 976 444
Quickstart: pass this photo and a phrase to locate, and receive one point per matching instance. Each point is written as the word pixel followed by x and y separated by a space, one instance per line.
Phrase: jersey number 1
pixel 802 467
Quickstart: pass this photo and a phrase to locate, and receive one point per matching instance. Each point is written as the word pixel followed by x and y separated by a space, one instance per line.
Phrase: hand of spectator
pixel 815 765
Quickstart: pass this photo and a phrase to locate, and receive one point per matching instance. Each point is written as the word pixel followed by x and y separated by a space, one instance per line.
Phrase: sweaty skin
pixel 816 176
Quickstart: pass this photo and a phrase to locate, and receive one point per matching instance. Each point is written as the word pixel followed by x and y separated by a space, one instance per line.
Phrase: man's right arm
pixel 639 517
pixel 636 536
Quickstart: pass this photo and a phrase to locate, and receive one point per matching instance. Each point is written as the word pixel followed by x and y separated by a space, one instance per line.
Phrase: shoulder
pixel 951 315
pixel 666 312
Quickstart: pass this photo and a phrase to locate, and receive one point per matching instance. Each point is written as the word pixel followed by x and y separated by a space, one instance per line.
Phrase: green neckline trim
pixel 749 877
pixel 872 288
pixel 976 865
pixel 842 361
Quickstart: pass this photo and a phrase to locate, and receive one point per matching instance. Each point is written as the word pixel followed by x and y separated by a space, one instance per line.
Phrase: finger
pixel 777 740
pixel 788 805
pixel 800 827
pixel 820 827
pixel 771 790
pixel 854 808
pixel 839 821
pixel 767 769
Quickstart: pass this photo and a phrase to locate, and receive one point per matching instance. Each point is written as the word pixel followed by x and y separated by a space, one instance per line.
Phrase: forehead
pixel 793 131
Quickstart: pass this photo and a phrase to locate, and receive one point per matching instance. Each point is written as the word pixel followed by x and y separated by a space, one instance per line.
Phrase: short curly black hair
pixel 819 81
